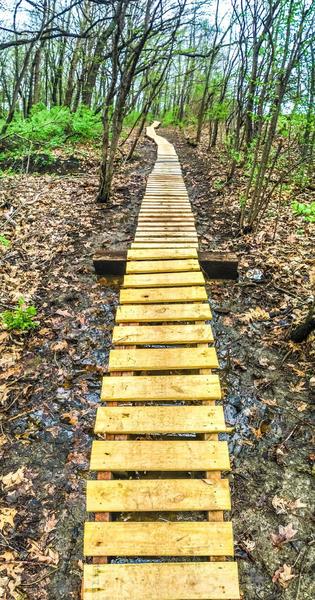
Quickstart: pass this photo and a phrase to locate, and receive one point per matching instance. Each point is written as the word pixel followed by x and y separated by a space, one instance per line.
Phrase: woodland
pixel 233 84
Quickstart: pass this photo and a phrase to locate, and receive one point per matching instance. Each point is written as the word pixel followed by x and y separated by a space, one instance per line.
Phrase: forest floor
pixel 50 380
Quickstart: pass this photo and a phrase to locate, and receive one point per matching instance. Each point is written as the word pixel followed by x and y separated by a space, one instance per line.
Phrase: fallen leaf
pixel 7 517
pixel 285 535
pixel 283 576
pixel 255 314
pixel 50 522
pixel 298 387
pixel 47 555
pixel 14 478
pixel 59 346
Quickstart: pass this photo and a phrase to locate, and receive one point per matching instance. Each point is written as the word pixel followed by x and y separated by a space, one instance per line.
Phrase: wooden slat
pixel 162 280
pixel 159 455
pixel 157 313
pixel 162 294
pixel 161 254
pixel 165 228
pixel 162 581
pixel 163 245
pixel 158 539
pixel 166 219
pixel 168 239
pixel 161 387
pixel 162 266
pixel 162 359
pixel 162 334
pixel 174 234
pixel 151 495
pixel 159 419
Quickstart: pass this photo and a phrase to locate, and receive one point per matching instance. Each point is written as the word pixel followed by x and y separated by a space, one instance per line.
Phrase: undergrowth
pixel 21 318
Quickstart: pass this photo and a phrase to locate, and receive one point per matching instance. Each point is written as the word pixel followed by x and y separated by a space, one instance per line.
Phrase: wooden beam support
pixel 216 265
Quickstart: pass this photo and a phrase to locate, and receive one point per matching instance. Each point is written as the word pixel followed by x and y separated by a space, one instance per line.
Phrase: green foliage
pixel 4 241
pixel 169 118
pixel 219 110
pixel 20 318
pixel 131 118
pixel 219 184
pixel 86 125
pixel 49 128
pixel 306 210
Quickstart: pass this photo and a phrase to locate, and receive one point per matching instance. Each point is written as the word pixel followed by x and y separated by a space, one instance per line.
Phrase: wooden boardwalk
pixel 158 459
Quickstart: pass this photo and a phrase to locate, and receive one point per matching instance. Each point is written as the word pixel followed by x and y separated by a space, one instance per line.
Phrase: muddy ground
pixel 51 377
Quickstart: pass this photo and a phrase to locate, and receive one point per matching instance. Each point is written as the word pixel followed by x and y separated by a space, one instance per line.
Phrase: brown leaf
pixel 59 346
pixel 255 314
pixel 13 478
pixel 285 535
pixel 283 576
pixel 7 517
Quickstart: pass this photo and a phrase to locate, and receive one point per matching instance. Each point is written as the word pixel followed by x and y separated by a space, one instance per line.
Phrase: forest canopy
pixel 241 72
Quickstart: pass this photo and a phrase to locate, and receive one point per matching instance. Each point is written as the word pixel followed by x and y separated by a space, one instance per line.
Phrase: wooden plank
pixel 153 228
pixel 151 495
pixel 162 334
pixel 161 254
pixel 159 419
pixel 173 456
pixel 163 245
pixel 165 219
pixel 162 359
pixel 146 313
pixel 167 239
pixel 158 539
pixel 156 295
pixel 165 211
pixel 162 581
pixel 160 280
pixel 154 388
pixel 162 266
pixel 173 234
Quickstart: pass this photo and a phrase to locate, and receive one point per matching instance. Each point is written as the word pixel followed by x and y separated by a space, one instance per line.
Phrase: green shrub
pixel 49 128
pixel 306 210
pixel 169 118
pixel 86 124
pixel 4 241
pixel 20 318
pixel 131 118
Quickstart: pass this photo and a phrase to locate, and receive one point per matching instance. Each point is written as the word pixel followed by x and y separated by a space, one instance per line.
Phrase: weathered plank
pixel 161 294
pixel 152 228
pixel 168 239
pixel 162 581
pixel 174 234
pixel 159 419
pixel 155 388
pixel 147 495
pixel 158 539
pixel 162 334
pixel 161 254
pixel 162 359
pixel 162 266
pixel 163 245
pixel 165 456
pixel 157 313
pixel 163 280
